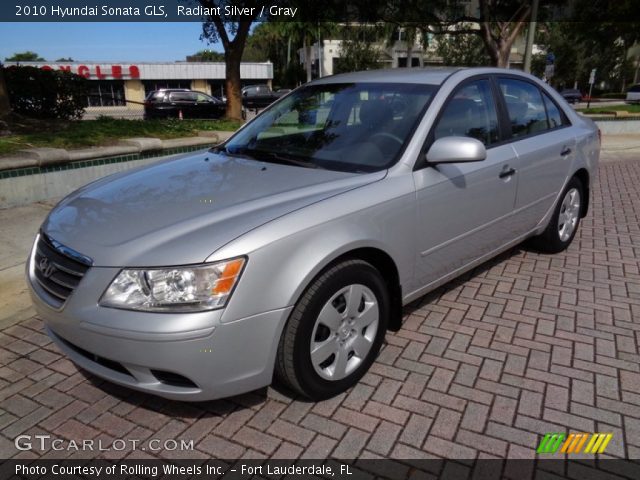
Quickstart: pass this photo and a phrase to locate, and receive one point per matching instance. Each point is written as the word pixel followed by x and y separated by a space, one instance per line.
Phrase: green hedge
pixel 46 94
pixel 616 95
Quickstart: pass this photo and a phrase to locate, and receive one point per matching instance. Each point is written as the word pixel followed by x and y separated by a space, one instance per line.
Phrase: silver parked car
pixel 291 249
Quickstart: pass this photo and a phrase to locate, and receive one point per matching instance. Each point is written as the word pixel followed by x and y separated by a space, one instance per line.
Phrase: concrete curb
pixel 40 157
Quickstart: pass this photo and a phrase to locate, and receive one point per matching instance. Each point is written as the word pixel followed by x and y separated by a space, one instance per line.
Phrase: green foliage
pixel 27 56
pixel 45 94
pixel 65 59
pixel 612 109
pixel 103 131
pixel 206 56
pixel 357 55
pixel 466 50
pixel 614 95
pixel 580 47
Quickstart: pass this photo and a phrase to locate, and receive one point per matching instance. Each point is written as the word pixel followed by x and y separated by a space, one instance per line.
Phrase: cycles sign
pixel 98 72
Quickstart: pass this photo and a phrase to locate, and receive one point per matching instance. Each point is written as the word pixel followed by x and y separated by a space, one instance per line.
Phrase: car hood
pixel 178 212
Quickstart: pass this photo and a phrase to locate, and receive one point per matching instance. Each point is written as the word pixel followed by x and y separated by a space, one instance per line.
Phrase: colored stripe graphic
pixel 598 443
pixel 550 443
pixel 574 443
pixel 595 443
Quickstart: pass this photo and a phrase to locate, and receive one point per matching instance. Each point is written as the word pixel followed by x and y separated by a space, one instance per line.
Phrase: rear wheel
pixel 565 221
pixel 335 331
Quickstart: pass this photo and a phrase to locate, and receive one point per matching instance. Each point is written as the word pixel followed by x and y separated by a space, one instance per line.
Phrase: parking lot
pixel 483 367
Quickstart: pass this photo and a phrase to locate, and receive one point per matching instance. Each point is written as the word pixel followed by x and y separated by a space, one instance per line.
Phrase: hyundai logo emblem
pixel 46 268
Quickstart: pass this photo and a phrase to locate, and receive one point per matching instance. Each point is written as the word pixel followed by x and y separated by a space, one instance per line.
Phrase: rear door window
pixel 183 97
pixel 527 113
pixel 202 98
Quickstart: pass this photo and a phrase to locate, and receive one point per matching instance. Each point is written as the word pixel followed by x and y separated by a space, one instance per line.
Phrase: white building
pixel 121 87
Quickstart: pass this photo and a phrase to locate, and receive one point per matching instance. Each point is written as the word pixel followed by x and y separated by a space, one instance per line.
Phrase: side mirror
pixel 245 94
pixel 456 150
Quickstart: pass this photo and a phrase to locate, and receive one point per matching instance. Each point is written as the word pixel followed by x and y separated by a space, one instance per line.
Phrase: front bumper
pixel 187 356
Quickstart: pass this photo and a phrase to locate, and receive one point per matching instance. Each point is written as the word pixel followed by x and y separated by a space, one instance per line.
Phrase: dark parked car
pixel 571 95
pixel 170 103
pixel 260 96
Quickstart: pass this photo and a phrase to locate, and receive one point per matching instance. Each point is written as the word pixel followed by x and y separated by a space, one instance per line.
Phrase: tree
pixel 466 50
pixel 232 32
pixel 27 56
pixel 357 55
pixel 206 56
pixel 497 23
pixel 65 59
pixel 5 108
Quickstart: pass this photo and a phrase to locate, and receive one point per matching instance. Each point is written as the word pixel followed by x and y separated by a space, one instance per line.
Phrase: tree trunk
pixel 504 53
pixel 5 108
pixel 232 59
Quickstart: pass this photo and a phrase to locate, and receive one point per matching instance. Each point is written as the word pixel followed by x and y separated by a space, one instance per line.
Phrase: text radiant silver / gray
pixel 290 249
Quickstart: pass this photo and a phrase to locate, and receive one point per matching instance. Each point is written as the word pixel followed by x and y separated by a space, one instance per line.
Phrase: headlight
pixel 174 289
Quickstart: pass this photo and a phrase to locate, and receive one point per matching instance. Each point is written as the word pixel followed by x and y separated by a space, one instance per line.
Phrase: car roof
pixel 427 75
pixel 173 90
pixel 430 75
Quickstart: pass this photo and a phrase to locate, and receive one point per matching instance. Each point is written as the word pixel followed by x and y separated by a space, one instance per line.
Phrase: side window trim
pixel 503 114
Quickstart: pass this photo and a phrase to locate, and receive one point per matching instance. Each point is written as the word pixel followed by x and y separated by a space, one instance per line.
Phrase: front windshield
pixel 355 127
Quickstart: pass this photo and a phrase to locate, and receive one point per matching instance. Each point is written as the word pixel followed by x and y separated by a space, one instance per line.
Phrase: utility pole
pixel 319 53
pixel 531 36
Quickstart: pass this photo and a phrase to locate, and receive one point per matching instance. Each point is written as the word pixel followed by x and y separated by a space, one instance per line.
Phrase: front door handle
pixel 565 151
pixel 507 173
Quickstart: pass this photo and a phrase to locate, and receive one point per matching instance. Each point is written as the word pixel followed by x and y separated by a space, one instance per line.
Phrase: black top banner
pixel 420 12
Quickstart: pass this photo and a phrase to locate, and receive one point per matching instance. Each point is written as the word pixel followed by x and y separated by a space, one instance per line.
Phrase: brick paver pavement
pixel 525 344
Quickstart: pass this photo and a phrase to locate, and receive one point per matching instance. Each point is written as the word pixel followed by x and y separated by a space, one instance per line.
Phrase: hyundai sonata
pixel 289 250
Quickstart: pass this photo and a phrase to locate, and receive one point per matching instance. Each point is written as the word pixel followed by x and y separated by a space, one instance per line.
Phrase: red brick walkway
pixel 526 344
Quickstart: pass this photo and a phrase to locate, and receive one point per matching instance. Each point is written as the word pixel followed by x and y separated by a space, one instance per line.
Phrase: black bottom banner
pixel 322 469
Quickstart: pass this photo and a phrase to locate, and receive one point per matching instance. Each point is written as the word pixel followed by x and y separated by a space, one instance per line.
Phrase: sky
pixel 104 42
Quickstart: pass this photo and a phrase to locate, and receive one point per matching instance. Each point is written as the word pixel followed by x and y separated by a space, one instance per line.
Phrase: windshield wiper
pixel 273 157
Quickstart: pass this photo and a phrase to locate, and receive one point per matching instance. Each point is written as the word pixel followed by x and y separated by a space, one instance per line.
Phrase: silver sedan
pixel 289 251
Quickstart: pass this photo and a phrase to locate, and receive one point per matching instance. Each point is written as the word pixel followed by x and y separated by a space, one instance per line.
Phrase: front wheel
pixel 335 331
pixel 565 221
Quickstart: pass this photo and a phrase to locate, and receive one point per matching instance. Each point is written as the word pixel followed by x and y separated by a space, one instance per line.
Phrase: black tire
pixel 294 367
pixel 550 240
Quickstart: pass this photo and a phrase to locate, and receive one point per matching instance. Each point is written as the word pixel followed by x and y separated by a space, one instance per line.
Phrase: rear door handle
pixel 507 173
pixel 565 151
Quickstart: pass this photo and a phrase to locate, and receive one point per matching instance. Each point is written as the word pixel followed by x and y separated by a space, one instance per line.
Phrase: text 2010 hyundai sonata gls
pixel 290 249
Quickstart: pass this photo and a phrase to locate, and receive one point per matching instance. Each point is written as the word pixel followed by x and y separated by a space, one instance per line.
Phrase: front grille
pixel 58 269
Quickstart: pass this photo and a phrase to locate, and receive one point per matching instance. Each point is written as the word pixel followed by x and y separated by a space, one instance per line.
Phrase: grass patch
pixel 103 131
pixel 634 108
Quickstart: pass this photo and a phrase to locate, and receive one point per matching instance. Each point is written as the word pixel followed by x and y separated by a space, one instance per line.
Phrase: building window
pixel 151 85
pixel 106 93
